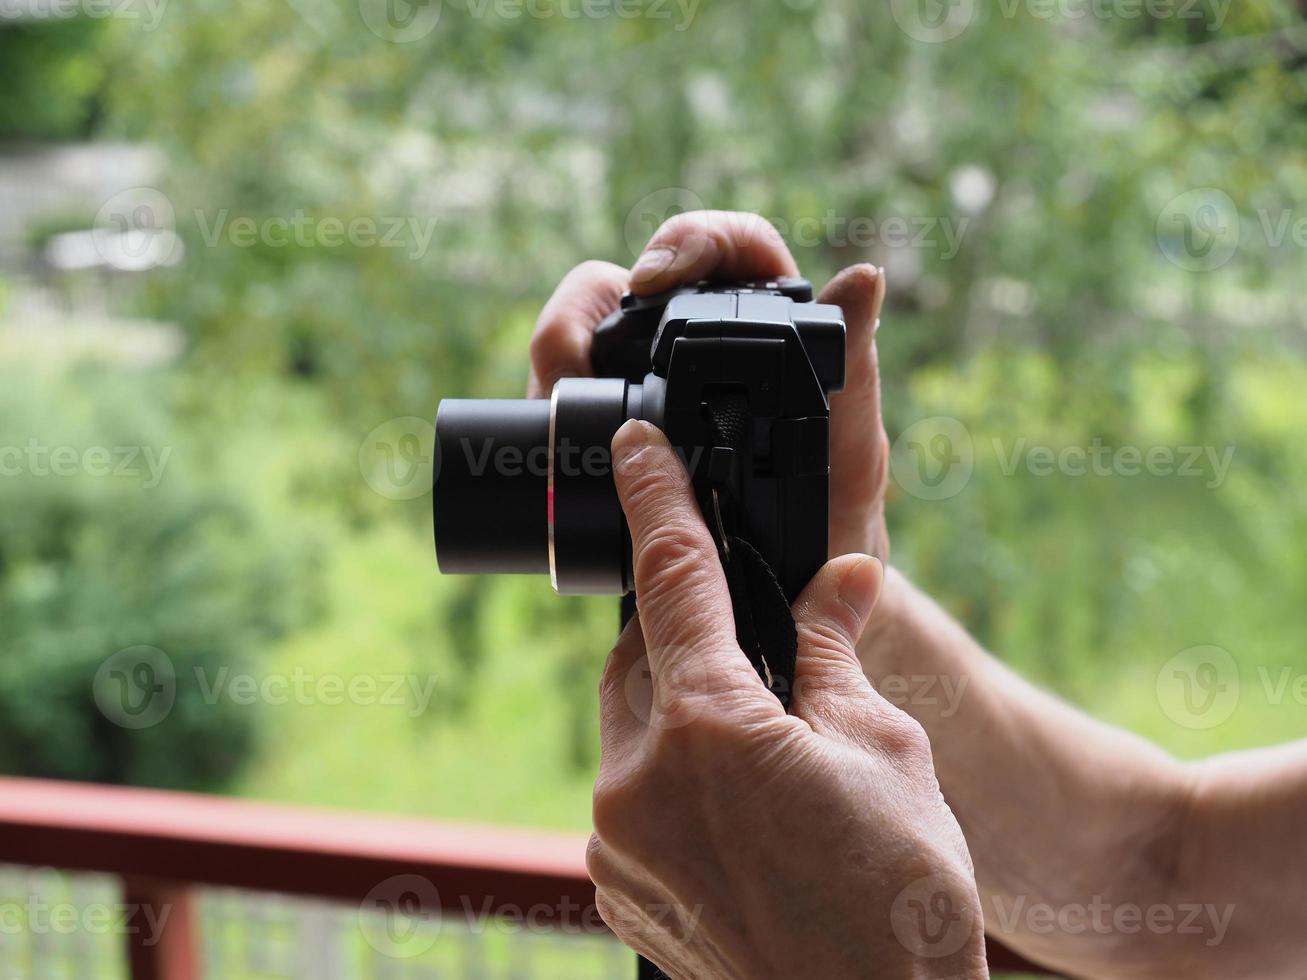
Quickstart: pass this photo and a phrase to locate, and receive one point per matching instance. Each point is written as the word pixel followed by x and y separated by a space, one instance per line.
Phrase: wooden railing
pixel 164 844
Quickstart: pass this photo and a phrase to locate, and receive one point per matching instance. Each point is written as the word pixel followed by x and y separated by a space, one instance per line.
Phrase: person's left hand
pixel 728 245
pixel 733 840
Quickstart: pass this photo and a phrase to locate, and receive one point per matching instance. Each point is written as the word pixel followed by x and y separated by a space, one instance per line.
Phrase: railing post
pixel 163 930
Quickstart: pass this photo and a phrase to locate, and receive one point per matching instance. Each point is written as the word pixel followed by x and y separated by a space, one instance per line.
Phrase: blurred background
pixel 246 247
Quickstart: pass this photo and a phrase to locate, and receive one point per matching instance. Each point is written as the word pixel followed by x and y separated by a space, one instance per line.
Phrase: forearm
pixel 1246 849
pixel 1060 811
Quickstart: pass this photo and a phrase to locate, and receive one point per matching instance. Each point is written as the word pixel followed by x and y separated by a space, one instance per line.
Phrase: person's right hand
pixel 727 245
pixel 735 841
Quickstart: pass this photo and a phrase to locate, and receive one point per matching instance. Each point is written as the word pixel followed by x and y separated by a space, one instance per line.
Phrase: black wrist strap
pixel 648 971
pixel 764 625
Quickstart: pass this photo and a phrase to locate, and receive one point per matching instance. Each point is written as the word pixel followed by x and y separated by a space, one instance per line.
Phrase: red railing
pixel 163 844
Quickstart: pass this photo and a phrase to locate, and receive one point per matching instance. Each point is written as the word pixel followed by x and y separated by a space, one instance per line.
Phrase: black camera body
pixel 738 376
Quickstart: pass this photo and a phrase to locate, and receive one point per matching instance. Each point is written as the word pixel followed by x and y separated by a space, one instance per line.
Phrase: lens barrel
pixel 526 487
pixel 491 504
pixel 589 544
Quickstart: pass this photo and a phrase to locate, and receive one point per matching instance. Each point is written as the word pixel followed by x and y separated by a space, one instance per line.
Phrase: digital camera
pixel 738 377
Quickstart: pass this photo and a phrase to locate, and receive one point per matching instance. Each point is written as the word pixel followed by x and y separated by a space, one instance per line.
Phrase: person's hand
pixel 729 245
pixel 733 840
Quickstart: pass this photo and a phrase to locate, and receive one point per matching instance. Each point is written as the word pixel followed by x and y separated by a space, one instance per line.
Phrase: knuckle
pixel 611 679
pixel 597 862
pixel 671 556
pixel 825 642
pixel 615 913
pixel 607 816
pixel 617 807
pixel 880 462
pixel 678 225
pixel 715 725
pixel 588 271
pixel 670 550
pixel 555 345
pixel 901 735
pixel 736 230
pixel 727 231
pixel 751 227
pixel 545 336
pixel 647 486
pixel 620 658
pixel 701 736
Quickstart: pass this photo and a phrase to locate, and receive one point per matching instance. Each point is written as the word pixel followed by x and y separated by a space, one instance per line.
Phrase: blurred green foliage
pixel 114 535
pixel 1050 147
pixel 53 75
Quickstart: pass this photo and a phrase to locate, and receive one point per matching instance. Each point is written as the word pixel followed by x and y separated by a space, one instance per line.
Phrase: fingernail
pixel 860 587
pixel 629 442
pixel 652 263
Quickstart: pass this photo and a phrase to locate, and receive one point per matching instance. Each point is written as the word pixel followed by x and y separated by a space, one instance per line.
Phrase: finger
pixel 631 924
pixel 625 691
pixel 831 692
pixel 711 245
pixel 859 450
pixel 641 914
pixel 560 346
pixel 685 607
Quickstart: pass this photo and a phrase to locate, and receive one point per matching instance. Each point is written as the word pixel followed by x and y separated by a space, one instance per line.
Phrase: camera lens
pixel 492 486
pixel 526 487
pixel 589 545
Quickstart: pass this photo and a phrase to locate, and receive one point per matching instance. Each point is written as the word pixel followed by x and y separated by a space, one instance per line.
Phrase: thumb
pixel 830 689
